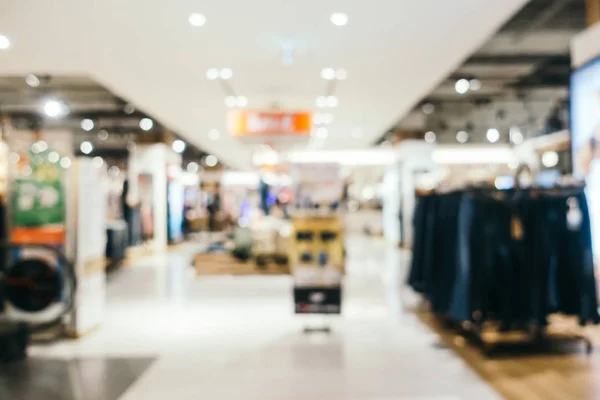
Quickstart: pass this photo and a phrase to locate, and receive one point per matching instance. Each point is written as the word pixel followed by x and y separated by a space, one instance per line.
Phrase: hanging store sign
pixel 243 123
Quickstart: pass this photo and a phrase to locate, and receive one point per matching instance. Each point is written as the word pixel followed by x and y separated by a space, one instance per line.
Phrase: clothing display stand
pixel 507 269
pixel 318 259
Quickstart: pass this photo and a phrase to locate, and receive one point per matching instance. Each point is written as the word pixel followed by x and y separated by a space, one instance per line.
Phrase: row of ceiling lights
pixel 329 74
pixel 492 135
pixel 462 86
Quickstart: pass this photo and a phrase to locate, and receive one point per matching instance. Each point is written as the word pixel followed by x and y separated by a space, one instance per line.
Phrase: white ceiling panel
pixel 395 52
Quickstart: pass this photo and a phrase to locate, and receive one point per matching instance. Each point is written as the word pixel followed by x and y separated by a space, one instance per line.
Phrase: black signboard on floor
pixel 318 300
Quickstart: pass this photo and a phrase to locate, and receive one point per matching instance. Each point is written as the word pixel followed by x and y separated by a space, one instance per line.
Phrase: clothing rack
pixel 502 264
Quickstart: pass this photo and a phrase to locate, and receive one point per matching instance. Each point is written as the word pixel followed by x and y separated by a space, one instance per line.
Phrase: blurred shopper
pixel 214 208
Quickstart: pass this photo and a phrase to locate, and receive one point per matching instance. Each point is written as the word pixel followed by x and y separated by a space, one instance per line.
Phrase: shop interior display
pixel 505 261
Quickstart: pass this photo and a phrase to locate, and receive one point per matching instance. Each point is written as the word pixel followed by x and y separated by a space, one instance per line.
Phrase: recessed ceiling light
pixel 430 137
pixel 493 135
pixel 230 101
pixel 225 73
pixel 550 159
pixel 129 109
pixel 102 134
pixel 341 74
pixel 428 108
pixel 462 86
pixel 212 74
pixel 321 101
pixel 328 73
pixel 86 147
pixel 4 42
pixel 339 19
pixel 53 108
pixel 322 132
pixel 211 160
pixel 197 19
pixel 214 134
pixel 65 162
pixel 193 167
pixel 178 146
pixel 475 84
pixel 87 124
pixel 332 101
pixel 516 136
pixel 462 137
pixel 114 171
pixel 97 161
pixel 53 157
pixel 32 80
pixel 241 101
pixel 146 124
pixel 327 118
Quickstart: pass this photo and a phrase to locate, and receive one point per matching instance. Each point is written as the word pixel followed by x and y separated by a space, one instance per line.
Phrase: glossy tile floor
pixel 224 338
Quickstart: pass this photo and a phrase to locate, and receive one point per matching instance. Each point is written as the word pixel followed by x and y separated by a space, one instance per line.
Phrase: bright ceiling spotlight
pixel 462 86
pixel 193 167
pixel 97 161
pixel 321 102
pixel 332 101
pixel 475 84
pixel 550 159
pixel 146 124
pixel 86 147
pixel 212 74
pixel 65 162
pixel 322 132
pixel 230 101
pixel 341 74
pixel 462 137
pixel 87 124
pixel 214 134
pixel 4 43
pixel 225 73
pixel 211 160
pixel 196 19
pixel 178 146
pixel 339 19
pixel 54 108
pixel 493 135
pixel 32 80
pixel 430 137
pixel 328 74
pixel 241 101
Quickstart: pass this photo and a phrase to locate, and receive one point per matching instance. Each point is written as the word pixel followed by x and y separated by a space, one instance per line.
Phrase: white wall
pixel 586 46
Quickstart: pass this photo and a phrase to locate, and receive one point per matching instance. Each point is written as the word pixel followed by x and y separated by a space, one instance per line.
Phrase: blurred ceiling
pixel 115 124
pixel 523 72
pixel 147 53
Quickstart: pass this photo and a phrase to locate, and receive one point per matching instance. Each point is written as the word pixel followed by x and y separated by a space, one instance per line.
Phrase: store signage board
pixel 242 123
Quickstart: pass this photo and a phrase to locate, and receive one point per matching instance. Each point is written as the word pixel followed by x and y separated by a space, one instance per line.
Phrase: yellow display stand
pixel 314 234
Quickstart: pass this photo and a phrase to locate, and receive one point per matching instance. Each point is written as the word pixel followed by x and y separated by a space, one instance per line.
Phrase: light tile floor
pixel 224 338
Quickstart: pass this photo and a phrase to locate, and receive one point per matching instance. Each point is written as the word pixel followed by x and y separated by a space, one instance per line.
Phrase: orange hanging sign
pixel 243 123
